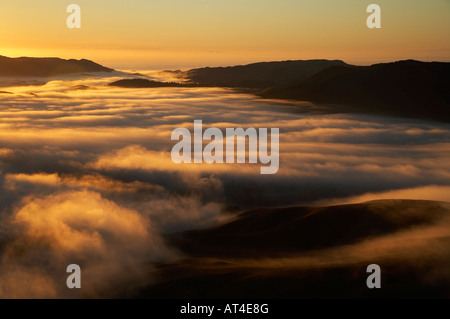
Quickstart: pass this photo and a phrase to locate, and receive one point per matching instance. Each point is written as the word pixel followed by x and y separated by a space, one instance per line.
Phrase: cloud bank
pixel 86 175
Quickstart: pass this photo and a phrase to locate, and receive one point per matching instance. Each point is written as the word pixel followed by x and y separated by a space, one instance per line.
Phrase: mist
pixel 87 177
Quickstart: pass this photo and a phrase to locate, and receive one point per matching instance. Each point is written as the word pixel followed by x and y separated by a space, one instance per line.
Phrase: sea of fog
pixel 87 176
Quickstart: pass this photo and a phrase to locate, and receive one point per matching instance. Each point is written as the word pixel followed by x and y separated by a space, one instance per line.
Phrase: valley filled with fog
pixel 87 176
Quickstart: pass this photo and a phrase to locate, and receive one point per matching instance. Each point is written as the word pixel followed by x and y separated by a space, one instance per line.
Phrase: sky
pixel 158 34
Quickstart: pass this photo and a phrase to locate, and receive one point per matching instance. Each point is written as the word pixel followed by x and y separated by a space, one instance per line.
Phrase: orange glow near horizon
pixel 186 34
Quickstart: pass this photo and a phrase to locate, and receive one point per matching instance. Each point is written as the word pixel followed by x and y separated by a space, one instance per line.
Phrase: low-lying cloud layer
pixel 86 175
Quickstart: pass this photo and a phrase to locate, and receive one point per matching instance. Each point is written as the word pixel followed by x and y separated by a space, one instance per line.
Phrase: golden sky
pixel 180 33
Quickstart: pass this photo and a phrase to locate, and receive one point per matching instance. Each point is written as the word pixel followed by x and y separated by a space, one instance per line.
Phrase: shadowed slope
pixel 405 88
pixel 281 231
pixel 315 252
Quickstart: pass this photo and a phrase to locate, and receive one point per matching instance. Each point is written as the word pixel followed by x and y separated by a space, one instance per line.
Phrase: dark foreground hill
pixel 314 252
pixel 260 75
pixel 46 67
pixel 282 231
pixel 405 88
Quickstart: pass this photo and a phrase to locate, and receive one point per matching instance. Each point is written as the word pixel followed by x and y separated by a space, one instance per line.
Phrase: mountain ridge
pixel 46 67
pixel 403 88
pixel 260 74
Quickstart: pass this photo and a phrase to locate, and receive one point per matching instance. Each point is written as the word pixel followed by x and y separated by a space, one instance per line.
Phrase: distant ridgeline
pixel 46 67
pixel 405 88
pixel 261 75
pixel 144 83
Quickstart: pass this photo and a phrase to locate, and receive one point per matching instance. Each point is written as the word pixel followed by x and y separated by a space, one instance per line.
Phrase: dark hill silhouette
pixel 144 83
pixel 405 88
pixel 260 75
pixel 283 231
pixel 308 252
pixel 46 67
